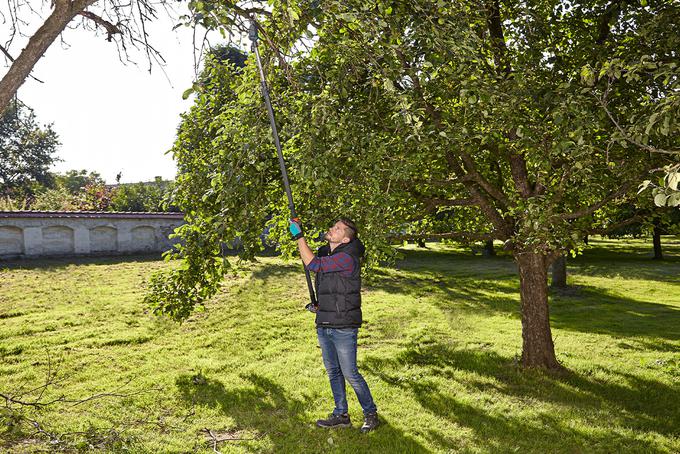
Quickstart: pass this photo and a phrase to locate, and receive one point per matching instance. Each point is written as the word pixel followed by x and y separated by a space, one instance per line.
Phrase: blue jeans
pixel 339 352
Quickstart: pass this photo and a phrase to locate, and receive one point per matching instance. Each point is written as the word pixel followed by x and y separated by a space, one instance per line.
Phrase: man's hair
pixel 351 228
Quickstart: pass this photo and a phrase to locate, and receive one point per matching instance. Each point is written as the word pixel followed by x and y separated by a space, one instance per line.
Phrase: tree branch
pixel 520 174
pixel 64 12
pixel 495 26
pixel 452 202
pixel 432 204
pixel 603 27
pixel 628 138
pixel 110 28
pixel 479 179
pixel 450 235
pixel 435 115
pixel 247 13
pixel 596 206
pixel 609 229
pixel 502 226
pixel 11 400
pixel 10 58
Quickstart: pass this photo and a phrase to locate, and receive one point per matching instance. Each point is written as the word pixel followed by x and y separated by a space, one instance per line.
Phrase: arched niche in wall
pixel 143 239
pixel 103 239
pixel 11 241
pixel 57 240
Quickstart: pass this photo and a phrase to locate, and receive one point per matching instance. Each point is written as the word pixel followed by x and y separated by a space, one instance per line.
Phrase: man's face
pixel 337 233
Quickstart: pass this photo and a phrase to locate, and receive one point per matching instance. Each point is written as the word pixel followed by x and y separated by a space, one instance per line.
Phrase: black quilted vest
pixel 340 296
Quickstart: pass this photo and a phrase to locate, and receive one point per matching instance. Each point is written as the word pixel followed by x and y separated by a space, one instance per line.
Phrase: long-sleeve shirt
pixel 340 262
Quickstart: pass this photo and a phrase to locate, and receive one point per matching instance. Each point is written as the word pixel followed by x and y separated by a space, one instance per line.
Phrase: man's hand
pixel 295 229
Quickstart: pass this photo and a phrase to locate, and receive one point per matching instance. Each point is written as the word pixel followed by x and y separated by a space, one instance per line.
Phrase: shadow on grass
pixel 628 260
pixel 627 267
pixel 63 262
pixel 279 271
pixel 594 310
pixel 453 283
pixel 635 402
pixel 262 407
pixel 585 309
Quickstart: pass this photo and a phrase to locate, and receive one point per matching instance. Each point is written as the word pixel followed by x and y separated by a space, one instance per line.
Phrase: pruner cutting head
pixel 252 32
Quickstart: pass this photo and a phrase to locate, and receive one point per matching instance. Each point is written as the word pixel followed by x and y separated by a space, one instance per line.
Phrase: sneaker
pixel 370 422
pixel 335 421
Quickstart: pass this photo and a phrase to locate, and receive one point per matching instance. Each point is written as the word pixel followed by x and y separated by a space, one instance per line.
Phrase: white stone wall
pixel 68 234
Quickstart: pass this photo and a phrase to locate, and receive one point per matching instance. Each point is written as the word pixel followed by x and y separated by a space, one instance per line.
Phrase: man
pixel 338 317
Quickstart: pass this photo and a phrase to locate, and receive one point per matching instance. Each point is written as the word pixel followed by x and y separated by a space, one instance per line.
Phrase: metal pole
pixel 282 164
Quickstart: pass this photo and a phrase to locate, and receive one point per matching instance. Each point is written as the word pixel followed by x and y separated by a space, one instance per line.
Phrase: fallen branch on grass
pixel 18 402
pixel 228 436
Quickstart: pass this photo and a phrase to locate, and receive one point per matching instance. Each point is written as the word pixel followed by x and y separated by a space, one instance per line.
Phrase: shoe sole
pixel 368 429
pixel 334 426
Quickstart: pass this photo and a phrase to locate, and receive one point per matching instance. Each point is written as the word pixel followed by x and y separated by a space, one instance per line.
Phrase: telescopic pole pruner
pixel 282 164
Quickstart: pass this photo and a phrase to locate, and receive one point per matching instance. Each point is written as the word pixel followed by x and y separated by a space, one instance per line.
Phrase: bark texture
pixel 538 349
pixel 64 12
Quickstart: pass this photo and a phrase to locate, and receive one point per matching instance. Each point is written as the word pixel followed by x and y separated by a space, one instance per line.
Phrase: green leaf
pixel 666 126
pixel 187 92
pixel 651 122
pixel 660 200
pixel 587 76
pixel 673 180
pixel 674 200
pixel 293 14
pixel 645 184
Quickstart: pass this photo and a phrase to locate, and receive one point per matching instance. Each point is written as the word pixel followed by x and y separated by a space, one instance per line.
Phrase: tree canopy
pixel 452 119
pixel 27 149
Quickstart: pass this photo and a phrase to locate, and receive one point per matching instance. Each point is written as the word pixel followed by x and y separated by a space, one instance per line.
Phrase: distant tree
pixel 151 196
pixel 27 150
pixel 7 203
pixel 74 181
pixel 55 199
pixel 647 221
pixel 97 196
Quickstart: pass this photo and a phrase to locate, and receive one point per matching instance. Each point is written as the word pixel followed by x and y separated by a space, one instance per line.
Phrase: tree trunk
pixel 64 12
pixel 658 254
pixel 421 243
pixel 559 272
pixel 538 349
pixel 488 249
pixel 585 239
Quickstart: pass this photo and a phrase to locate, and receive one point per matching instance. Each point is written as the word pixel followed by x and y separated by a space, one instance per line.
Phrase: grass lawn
pixel 439 350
